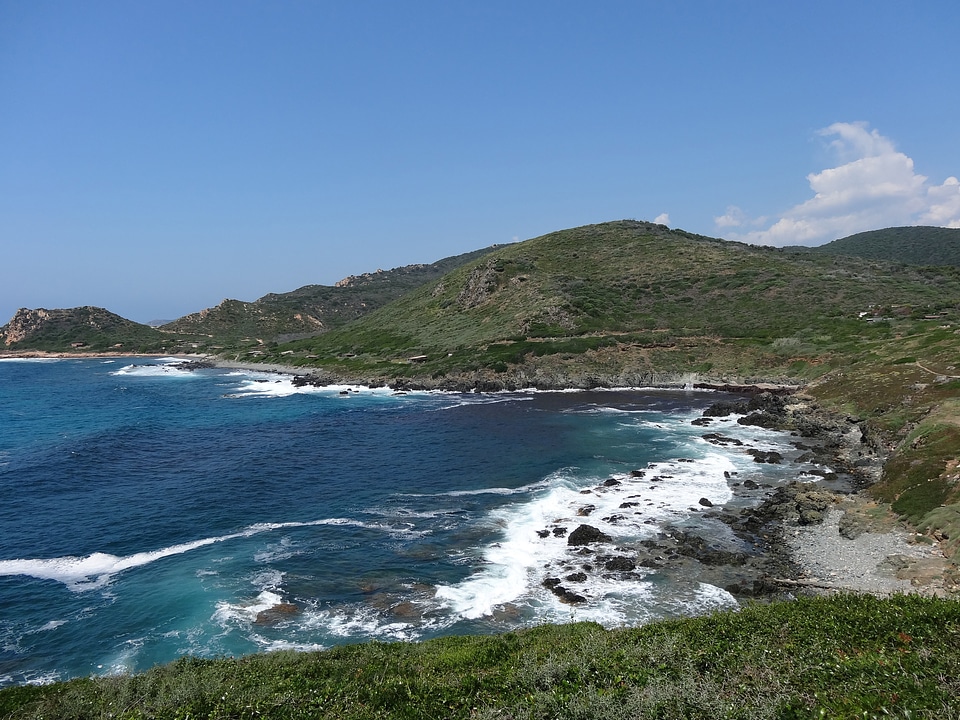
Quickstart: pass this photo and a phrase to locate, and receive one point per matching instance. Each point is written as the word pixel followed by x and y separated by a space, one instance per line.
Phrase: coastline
pixel 851 544
pixel 848 543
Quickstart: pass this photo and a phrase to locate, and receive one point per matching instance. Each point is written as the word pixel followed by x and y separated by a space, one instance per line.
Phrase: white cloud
pixel 874 186
pixel 662 219
pixel 944 206
pixel 735 217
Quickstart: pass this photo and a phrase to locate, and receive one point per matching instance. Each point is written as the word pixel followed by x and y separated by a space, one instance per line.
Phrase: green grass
pixel 847 656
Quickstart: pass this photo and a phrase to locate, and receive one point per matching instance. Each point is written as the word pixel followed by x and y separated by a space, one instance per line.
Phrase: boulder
pixel 723 408
pixel 759 456
pixel 586 535
pixel 276 614
pixel 762 419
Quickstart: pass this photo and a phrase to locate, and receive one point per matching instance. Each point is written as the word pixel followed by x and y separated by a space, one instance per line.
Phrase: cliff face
pixel 24 324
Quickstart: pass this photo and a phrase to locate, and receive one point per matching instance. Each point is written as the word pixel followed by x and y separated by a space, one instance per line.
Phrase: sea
pixel 150 511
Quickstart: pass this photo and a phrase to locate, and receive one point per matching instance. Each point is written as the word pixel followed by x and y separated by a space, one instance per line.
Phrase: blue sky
pixel 159 156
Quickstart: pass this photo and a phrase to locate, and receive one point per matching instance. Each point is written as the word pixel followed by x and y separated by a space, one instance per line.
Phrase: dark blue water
pixel 150 512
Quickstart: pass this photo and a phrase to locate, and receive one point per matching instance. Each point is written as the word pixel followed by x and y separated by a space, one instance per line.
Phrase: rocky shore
pixel 804 538
pixel 810 539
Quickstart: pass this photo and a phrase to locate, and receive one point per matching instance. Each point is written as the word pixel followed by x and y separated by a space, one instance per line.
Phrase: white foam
pixel 522 490
pixel 480 399
pixel 52 625
pixel 43 679
pixel 246 613
pixel 125 660
pixel 96 570
pixel 276 552
pixel 273 385
pixel 509 564
pixel 160 370
pixel 513 568
pixel 361 621
pixel 267 645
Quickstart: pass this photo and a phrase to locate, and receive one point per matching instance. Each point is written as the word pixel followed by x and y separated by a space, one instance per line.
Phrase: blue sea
pixel 150 512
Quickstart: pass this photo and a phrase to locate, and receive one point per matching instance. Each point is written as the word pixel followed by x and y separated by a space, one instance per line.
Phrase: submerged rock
pixel 620 564
pixel 276 614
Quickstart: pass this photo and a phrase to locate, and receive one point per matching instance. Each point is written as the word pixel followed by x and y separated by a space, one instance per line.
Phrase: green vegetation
pixel 847 656
pixel 910 245
pixel 83 329
pixel 312 309
pixel 614 304
pixel 667 301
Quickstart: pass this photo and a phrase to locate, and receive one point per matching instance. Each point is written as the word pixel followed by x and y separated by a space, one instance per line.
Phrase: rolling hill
pixel 910 245
pixel 312 309
pixel 642 296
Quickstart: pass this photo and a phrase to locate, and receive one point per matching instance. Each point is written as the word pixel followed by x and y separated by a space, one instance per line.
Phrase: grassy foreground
pixel 845 656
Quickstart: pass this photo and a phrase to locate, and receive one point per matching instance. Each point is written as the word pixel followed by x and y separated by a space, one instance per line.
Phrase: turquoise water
pixel 150 512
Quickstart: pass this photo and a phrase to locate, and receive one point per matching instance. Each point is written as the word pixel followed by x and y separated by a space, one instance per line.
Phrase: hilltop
pixel 307 311
pixel 917 245
pixel 82 329
pixel 641 300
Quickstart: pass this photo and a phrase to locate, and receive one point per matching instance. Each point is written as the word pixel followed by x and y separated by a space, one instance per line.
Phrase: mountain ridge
pixel 313 309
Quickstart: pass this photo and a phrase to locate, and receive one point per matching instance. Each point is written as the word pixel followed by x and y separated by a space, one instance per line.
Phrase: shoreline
pixel 823 555
pixel 853 545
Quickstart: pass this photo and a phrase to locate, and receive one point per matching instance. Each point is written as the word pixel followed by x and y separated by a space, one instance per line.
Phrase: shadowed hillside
pixel 910 245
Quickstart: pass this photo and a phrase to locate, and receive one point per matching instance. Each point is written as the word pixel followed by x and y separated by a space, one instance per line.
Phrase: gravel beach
pixel 874 554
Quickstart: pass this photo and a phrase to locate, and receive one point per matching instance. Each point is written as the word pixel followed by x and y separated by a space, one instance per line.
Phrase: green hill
pixel 84 329
pixel 312 309
pixel 910 245
pixel 658 300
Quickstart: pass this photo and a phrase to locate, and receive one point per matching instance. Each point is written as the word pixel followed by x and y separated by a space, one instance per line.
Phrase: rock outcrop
pixel 24 324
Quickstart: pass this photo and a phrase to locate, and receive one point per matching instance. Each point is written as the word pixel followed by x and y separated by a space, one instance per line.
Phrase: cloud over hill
pixel 873 185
